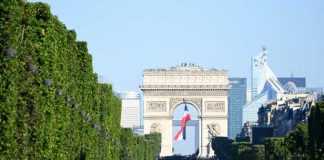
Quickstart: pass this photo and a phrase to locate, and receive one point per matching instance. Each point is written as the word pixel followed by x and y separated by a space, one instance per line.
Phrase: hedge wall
pixel 227 149
pixel 222 147
pixel 51 105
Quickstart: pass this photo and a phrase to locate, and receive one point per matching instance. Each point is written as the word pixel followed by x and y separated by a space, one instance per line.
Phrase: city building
pixel 246 131
pixel 298 85
pixel 131 109
pixel 138 129
pixel 265 86
pixel 284 114
pixel 248 95
pixel 293 84
pixel 236 100
pixel 263 78
pixel 250 110
pixel 300 82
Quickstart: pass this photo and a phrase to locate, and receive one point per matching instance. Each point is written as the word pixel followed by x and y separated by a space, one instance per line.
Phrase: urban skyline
pixel 161 80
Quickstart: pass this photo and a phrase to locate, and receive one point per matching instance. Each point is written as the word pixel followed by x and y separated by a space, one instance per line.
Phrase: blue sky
pixel 127 36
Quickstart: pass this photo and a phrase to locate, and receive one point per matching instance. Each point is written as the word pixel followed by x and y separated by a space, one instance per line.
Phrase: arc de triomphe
pixel 205 89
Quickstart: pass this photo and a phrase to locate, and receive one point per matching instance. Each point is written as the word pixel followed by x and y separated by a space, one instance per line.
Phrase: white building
pixel 131 109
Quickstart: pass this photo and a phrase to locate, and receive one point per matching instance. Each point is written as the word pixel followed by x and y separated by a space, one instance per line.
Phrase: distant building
pixel 284 114
pixel 248 96
pixel 293 84
pixel 236 100
pixel 262 75
pixel 138 129
pixel 265 86
pixel 131 109
pixel 278 117
pixel 300 82
pixel 246 132
pixel 298 85
pixel 250 110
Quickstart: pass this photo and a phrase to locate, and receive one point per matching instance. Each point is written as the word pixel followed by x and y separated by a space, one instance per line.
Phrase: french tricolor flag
pixel 181 135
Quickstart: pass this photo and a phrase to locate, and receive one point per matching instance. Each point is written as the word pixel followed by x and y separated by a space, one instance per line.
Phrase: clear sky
pixel 127 36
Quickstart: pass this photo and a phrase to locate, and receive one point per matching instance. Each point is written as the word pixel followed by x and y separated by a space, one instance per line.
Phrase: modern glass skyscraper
pixel 236 101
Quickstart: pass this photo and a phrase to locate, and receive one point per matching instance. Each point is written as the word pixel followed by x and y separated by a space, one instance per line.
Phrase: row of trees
pixel 304 142
pixel 51 104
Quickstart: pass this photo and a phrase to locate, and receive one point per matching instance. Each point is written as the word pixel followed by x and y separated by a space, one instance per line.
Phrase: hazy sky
pixel 127 36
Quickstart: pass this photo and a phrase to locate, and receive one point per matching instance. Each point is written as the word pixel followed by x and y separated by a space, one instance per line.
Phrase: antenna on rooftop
pixel 264 48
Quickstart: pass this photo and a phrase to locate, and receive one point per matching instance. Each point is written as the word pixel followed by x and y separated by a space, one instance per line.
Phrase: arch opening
pixel 190 145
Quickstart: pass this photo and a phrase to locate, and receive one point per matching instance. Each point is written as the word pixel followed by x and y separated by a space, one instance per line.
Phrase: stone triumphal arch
pixel 165 89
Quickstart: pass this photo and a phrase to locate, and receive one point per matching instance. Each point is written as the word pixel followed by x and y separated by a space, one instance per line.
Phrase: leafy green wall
pixel 51 105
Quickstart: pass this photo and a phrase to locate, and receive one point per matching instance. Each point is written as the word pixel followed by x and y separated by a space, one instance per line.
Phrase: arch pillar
pixel 208 131
pixel 162 125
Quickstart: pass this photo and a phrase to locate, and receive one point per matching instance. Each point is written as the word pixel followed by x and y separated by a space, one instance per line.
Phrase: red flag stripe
pixel 186 117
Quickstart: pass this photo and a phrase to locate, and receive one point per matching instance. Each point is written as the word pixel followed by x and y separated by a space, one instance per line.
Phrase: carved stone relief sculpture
pixel 156 106
pixel 213 130
pixel 215 106
pixel 155 128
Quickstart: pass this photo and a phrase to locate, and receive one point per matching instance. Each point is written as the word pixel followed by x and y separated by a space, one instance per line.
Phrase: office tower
pixel 236 101
pixel 265 86
pixel 262 75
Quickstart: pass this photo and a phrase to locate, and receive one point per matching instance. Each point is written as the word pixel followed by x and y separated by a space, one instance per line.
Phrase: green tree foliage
pixel 297 142
pixel 316 131
pixel 246 151
pixel 259 151
pixel 275 148
pixel 153 148
pixel 51 105
pixel 127 143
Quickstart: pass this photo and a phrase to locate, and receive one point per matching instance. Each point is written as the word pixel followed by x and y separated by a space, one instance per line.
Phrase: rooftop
pixel 184 67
